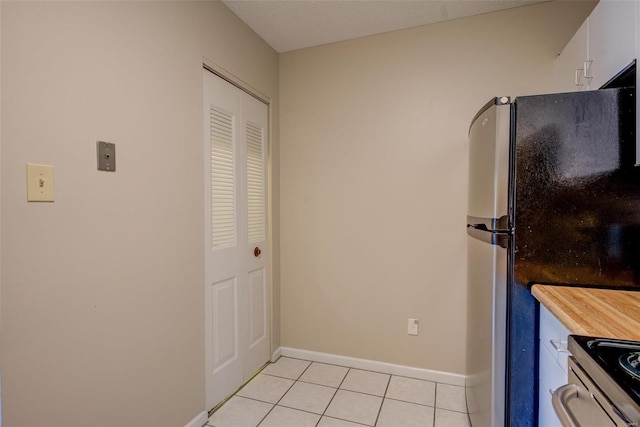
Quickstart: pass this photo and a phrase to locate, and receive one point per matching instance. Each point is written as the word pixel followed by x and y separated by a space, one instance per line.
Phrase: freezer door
pixel 486 333
pixel 577 191
pixel 489 166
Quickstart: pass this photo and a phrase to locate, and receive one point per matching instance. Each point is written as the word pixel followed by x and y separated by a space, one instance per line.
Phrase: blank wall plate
pixel 39 183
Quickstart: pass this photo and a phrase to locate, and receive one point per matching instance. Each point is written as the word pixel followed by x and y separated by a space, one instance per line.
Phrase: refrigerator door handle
pixel 480 232
pixel 496 225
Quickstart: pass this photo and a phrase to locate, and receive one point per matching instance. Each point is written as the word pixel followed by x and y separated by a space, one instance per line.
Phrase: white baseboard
pixel 199 420
pixel 276 355
pixel 372 365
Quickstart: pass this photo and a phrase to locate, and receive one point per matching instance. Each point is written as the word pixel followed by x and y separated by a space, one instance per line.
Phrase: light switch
pixel 412 328
pixel 39 183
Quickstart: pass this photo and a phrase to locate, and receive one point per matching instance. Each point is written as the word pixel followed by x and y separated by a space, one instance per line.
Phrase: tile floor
pixel 299 393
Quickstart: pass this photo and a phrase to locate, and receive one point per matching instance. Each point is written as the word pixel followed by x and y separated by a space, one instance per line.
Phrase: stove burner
pixel 630 362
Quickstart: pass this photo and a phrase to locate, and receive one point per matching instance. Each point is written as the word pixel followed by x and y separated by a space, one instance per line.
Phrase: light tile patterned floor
pixel 299 393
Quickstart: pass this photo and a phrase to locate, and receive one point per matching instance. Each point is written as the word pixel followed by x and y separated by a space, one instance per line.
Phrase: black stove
pixel 629 363
pixel 614 367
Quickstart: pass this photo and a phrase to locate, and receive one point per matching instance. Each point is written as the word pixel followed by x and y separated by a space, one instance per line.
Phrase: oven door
pixel 581 403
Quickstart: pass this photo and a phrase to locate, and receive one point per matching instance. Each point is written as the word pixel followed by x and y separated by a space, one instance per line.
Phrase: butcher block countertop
pixel 594 312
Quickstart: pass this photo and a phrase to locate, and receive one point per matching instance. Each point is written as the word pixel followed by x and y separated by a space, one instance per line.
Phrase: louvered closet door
pixel 236 287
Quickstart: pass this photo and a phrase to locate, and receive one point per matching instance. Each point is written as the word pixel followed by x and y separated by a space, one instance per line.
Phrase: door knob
pixel 257 252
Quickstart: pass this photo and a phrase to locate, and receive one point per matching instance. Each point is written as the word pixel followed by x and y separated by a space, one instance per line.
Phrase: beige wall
pixel 102 311
pixel 374 178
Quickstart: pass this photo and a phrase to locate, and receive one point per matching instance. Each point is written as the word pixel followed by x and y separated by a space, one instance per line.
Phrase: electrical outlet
pixel 412 328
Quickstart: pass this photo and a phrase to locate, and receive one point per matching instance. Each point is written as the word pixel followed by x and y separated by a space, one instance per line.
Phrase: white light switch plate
pixel 412 327
pixel 39 183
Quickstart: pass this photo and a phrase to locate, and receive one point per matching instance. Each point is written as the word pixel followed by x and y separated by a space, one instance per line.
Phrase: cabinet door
pixel 553 337
pixel 552 365
pixel 569 67
pixel 551 377
pixel 612 40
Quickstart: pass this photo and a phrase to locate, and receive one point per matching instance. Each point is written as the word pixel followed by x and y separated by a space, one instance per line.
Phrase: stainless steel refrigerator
pixel 554 198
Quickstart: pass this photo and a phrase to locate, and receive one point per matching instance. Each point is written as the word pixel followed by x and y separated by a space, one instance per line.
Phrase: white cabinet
pixel 603 46
pixel 570 65
pixel 612 40
pixel 553 365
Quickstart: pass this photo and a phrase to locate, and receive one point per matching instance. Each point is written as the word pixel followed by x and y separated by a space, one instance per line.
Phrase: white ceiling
pixel 295 24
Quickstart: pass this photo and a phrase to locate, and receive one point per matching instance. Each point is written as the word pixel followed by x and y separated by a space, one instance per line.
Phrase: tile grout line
pixel 411 402
pixel 235 394
pixel 338 389
pixel 334 394
pixel 348 370
pixel 384 396
pixel 435 404
pixel 283 394
pixel 304 382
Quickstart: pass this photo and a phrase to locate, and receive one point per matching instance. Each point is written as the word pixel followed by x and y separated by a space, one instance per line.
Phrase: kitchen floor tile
pixel 287 417
pixel 287 367
pixel 366 382
pixel 451 397
pixel 323 374
pixel 274 398
pixel 266 388
pixel 446 418
pixel 355 407
pixel 395 413
pixel 412 390
pixel 334 422
pixel 240 412
pixel 308 397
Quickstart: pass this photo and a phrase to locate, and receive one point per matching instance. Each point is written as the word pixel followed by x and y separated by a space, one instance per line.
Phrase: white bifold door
pixel 237 332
